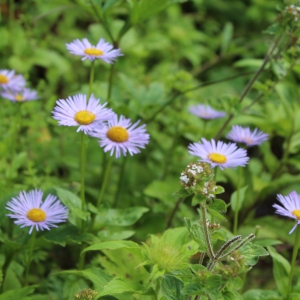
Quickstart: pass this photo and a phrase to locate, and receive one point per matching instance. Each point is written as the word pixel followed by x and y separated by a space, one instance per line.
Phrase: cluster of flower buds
pixel 86 294
pixel 293 10
pixel 197 178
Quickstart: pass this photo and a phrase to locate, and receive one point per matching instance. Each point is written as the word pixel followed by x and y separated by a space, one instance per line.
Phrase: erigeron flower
pixel 206 112
pixel 120 136
pixel 290 207
pixel 76 111
pixel 240 134
pixel 23 95
pixel 102 50
pixel 219 153
pixel 10 81
pixel 29 210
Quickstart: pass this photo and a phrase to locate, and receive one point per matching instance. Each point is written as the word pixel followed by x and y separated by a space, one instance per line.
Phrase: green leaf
pixel 217 206
pixel 193 289
pixel 171 287
pixel 281 270
pixel 262 295
pixel 144 9
pixel 65 233
pixel 108 4
pixel 121 217
pixel 226 37
pixel 198 198
pixel 112 245
pixel 214 282
pixel 197 233
pixel 236 203
pixel 119 286
pixel 18 294
pixel 251 253
pixel 73 203
pixel 182 193
pixel 110 234
pixel 95 275
pixel 162 190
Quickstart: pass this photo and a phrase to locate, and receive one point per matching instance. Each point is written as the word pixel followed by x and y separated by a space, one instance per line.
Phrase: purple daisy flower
pixel 8 80
pixel 291 207
pixel 120 135
pixel 102 50
pixel 240 134
pixel 75 111
pixel 206 112
pixel 20 96
pixel 30 210
pixel 219 154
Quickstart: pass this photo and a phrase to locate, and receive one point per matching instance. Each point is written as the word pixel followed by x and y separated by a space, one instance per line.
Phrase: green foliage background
pixel 176 54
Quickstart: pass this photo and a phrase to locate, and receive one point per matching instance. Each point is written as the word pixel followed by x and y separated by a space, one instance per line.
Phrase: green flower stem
pixel 105 180
pixel 294 257
pixel 206 233
pixel 82 175
pixel 248 87
pixel 31 247
pixel 236 211
pixel 120 181
pixel 110 82
pixel 92 75
pixel 171 217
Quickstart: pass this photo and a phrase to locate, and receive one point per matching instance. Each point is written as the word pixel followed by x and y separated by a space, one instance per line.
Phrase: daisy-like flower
pixel 206 112
pixel 102 50
pixel 20 96
pixel 219 154
pixel 8 80
pixel 291 207
pixel 75 111
pixel 120 135
pixel 240 134
pixel 29 210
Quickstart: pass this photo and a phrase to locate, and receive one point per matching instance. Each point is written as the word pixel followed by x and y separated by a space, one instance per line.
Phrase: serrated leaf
pixel 193 289
pixel 182 193
pixel 251 252
pixel 171 287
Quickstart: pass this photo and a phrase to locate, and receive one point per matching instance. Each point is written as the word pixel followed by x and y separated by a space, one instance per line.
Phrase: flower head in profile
pixel 9 80
pixel 23 95
pixel 102 50
pixel 76 111
pixel 290 207
pixel 29 210
pixel 206 112
pixel 219 154
pixel 120 136
pixel 240 134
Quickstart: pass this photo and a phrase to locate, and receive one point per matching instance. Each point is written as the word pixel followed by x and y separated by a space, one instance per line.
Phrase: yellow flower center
pixel 3 79
pixel 84 117
pixel 36 215
pixel 296 213
pixel 217 158
pixel 93 51
pixel 19 98
pixel 118 134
